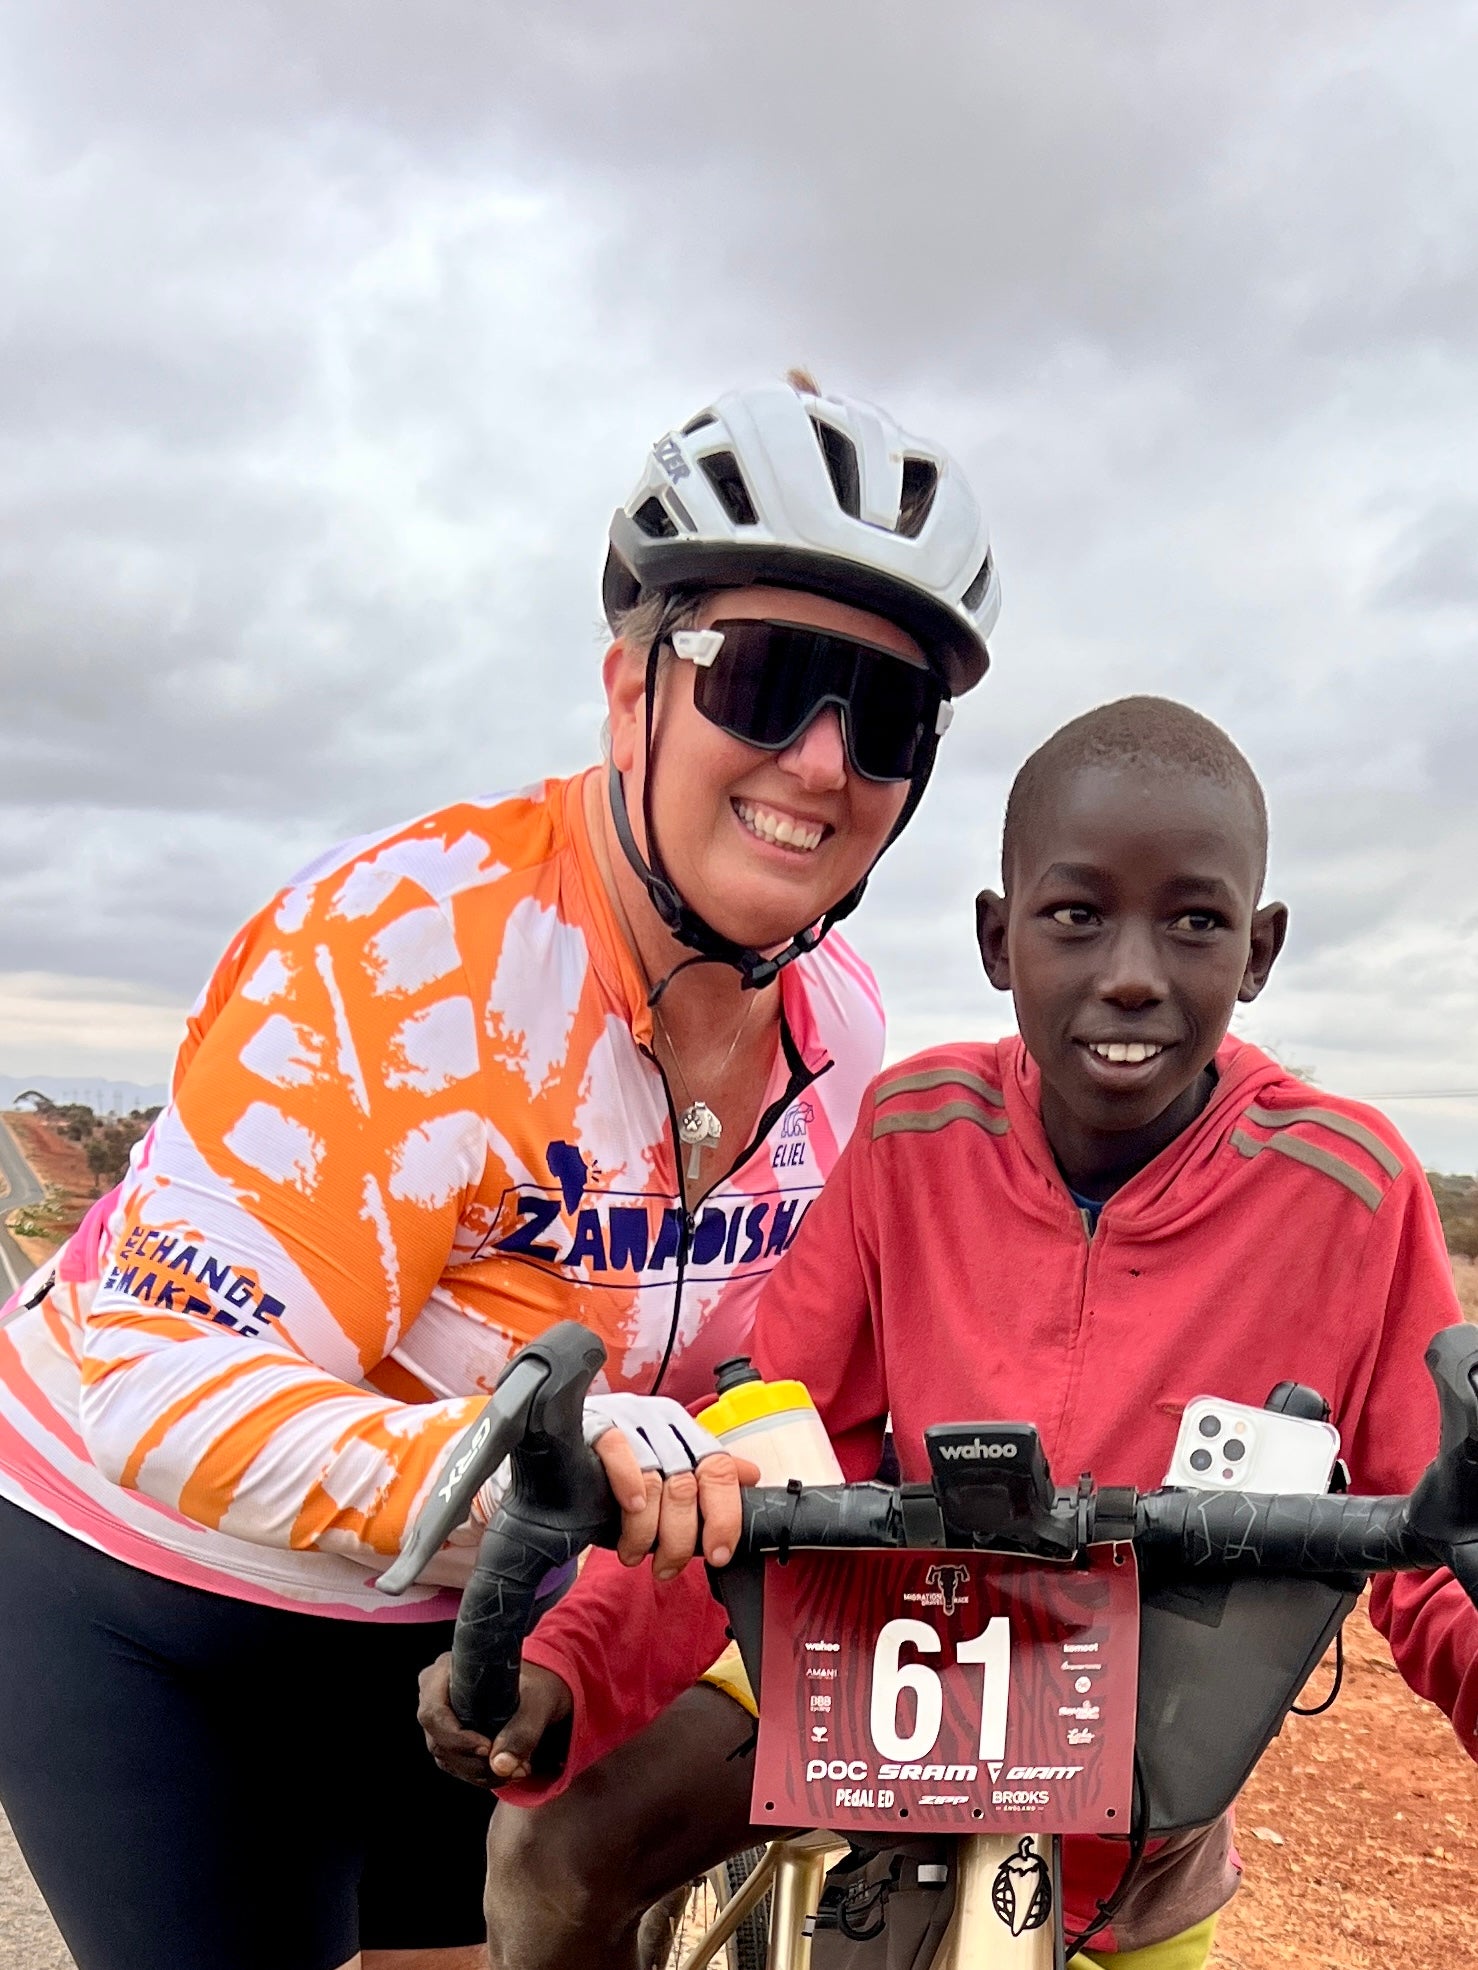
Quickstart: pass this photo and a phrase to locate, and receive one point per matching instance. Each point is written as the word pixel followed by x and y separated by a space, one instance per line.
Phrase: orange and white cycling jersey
pixel 414 1121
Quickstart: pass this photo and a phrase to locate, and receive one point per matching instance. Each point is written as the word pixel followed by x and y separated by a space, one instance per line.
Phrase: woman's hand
pixel 665 1472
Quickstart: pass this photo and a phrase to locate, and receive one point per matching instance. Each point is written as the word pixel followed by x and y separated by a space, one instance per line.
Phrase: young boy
pixel 1086 1227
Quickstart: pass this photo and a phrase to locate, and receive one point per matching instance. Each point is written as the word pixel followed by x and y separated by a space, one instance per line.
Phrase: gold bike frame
pixel 986 1929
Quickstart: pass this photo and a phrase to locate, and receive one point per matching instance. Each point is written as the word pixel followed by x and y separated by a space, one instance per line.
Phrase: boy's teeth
pixel 1129 1051
pixel 776 827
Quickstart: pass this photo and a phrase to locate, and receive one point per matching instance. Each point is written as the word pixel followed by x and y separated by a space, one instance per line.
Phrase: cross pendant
pixel 699 1130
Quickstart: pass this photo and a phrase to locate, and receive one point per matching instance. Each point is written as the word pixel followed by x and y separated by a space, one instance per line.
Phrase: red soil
pixel 1377 1811
pixel 62 1167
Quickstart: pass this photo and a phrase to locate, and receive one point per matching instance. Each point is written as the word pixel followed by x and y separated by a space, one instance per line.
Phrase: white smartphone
pixel 1228 1446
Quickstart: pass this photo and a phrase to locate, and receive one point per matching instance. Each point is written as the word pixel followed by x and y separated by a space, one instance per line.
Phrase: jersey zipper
pixel 685 1232
pixel 1092 1240
pixel 801 1077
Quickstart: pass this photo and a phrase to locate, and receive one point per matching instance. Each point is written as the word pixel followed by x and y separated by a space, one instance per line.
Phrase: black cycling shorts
pixel 199 1783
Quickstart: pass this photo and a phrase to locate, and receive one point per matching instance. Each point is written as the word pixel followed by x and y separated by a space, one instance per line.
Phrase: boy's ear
pixel 1269 928
pixel 990 935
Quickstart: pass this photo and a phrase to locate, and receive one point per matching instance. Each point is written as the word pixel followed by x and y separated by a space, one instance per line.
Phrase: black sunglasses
pixel 764 682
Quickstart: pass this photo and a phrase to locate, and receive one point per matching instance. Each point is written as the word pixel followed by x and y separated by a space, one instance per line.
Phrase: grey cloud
pixel 116 895
pixel 1020 177
pixel 1434 562
pixel 339 330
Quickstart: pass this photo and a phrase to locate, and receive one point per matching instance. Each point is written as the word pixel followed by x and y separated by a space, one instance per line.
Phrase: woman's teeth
pixel 769 826
pixel 1131 1051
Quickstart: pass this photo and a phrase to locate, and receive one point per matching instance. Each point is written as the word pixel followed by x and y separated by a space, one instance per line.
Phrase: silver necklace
pixel 699 1129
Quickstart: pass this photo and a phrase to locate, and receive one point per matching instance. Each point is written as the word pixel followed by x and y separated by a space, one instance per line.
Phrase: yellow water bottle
pixel 773 1424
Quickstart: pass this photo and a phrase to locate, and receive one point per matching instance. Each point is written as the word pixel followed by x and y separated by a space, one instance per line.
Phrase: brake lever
pixel 1444 1503
pixel 1452 1362
pixel 558 1503
pixel 542 1390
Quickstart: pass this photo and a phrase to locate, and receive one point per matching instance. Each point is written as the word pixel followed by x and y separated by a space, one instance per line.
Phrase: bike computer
pixel 993 1486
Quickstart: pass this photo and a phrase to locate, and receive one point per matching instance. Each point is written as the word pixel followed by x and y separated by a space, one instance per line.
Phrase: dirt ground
pixel 1359 1834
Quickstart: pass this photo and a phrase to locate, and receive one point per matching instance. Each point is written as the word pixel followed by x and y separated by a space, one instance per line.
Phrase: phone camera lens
pixel 1232 1450
pixel 1210 1426
pixel 1200 1460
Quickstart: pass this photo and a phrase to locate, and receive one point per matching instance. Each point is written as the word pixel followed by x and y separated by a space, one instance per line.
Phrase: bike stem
pixel 999 1922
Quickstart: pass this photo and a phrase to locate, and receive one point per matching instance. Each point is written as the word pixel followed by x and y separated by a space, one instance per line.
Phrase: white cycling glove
pixel 660 1431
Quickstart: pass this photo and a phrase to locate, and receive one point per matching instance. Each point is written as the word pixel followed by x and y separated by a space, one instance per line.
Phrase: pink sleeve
pixel 627 1644
pixel 1430 1623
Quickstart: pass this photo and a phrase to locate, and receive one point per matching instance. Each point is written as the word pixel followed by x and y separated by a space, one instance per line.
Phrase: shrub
pixel 1457 1206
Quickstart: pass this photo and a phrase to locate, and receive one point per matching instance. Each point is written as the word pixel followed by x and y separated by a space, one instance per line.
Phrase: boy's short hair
pixel 1125 733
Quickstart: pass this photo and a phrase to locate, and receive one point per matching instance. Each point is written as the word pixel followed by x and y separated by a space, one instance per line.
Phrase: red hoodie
pixel 945 1274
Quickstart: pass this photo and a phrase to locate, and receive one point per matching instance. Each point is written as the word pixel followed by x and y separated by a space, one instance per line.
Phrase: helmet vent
pixel 721 469
pixel 654 520
pixel 920 483
pixel 841 462
pixel 698 423
pixel 974 595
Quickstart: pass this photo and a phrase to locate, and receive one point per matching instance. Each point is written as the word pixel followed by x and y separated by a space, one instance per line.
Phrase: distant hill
pixel 102 1097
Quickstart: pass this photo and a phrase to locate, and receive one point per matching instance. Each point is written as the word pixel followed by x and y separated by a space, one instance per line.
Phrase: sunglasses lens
pixel 892 708
pixel 769 681
pixel 766 682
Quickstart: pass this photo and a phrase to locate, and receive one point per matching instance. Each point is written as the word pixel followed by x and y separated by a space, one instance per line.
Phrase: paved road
pixel 28 1937
pixel 21 1188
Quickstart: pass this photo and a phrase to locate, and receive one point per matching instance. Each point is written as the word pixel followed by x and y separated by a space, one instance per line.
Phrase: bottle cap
pixel 732 1373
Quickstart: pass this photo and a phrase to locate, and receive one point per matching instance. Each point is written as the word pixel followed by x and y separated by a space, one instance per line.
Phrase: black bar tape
pixel 820 1515
pixel 1245 1532
pixel 497 1612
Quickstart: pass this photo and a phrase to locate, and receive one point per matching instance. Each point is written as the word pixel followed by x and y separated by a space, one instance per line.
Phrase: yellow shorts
pixel 727 1674
pixel 1188 1951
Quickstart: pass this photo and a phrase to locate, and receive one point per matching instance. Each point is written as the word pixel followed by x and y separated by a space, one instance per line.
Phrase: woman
pixel 579 1052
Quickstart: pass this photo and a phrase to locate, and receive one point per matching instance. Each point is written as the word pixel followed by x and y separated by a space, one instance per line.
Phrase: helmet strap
pixel 756 969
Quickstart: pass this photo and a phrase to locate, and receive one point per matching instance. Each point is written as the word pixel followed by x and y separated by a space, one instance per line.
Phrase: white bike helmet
pixel 782 485
pixel 779 484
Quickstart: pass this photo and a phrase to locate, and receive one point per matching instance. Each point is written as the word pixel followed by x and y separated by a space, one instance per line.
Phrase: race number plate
pixel 955 1691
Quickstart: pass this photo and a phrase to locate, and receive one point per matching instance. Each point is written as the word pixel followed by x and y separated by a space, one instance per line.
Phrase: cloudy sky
pixel 333 332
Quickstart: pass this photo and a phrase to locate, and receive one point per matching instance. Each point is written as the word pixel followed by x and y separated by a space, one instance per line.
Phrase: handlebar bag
pixel 1220 1666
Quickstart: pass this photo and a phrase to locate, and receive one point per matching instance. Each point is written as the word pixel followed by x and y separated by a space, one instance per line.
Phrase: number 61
pixel 890 1677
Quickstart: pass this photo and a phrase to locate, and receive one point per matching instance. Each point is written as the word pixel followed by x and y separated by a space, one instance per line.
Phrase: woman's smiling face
pixel 759 844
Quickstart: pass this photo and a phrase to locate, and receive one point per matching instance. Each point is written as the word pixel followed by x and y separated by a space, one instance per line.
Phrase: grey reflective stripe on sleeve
pixel 940 1077
pixel 926 1121
pixel 1314 1158
pixel 1327 1118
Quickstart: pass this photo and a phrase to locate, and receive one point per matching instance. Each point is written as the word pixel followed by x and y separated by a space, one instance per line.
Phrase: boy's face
pixel 1130 931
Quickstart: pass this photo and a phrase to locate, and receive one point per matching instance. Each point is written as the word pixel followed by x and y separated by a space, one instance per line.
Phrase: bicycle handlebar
pixel 1190 1531
pixel 558 1503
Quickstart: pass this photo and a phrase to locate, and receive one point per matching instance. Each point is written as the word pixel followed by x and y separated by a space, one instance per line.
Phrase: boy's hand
pixel 544 1702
